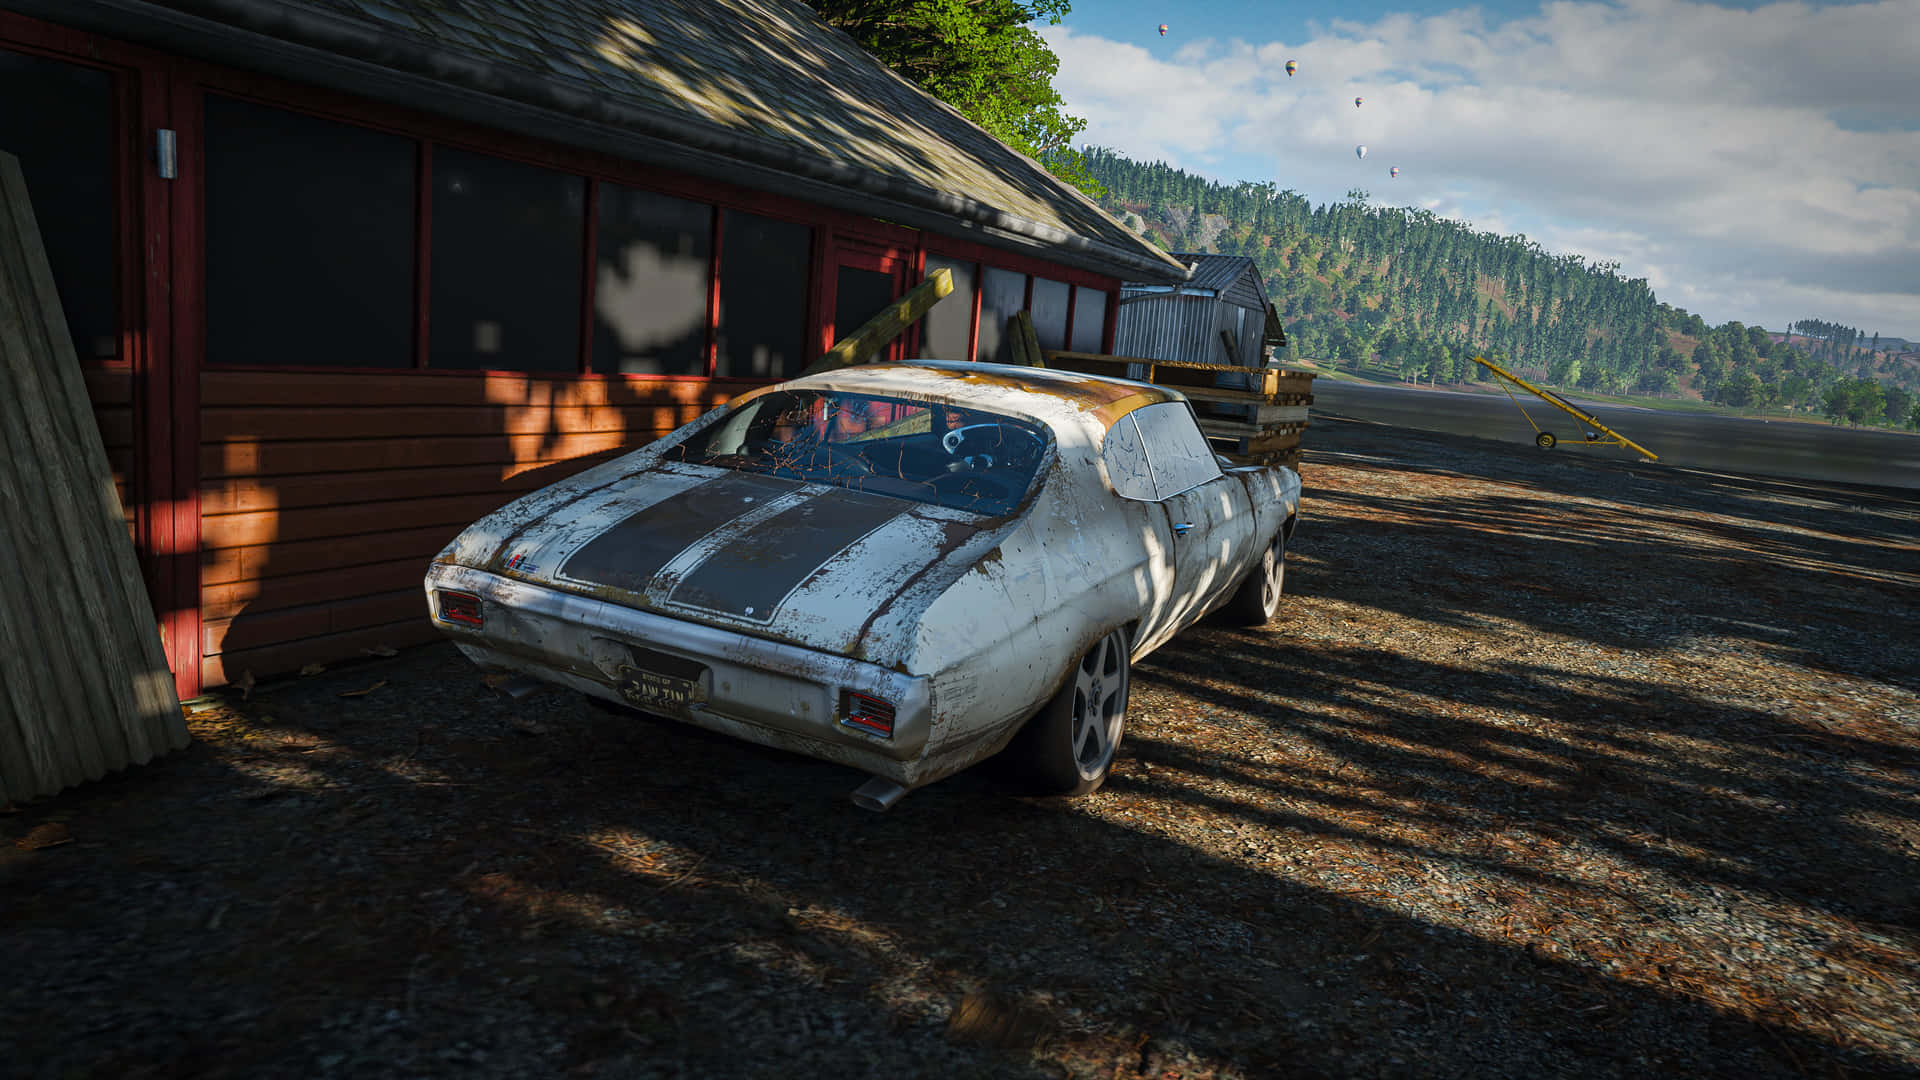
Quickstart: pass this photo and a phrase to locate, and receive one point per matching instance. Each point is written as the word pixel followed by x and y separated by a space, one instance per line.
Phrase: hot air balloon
pixel 1292 67
pixel 1357 101
pixel 1395 171
pixel 1360 151
pixel 1163 29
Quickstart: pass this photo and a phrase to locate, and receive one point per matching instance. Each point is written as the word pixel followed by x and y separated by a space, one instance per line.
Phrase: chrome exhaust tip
pixel 878 795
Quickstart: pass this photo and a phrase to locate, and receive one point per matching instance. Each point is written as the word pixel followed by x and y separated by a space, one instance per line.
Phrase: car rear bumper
pixel 767 692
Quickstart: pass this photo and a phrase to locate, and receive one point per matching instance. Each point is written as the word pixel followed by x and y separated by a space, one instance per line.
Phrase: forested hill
pixel 1401 289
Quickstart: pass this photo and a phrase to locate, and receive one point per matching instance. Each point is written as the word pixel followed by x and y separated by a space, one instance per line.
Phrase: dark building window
pixel 1050 312
pixel 309 240
pixel 858 296
pixel 763 296
pixel 948 325
pixel 653 256
pixel 1089 319
pixel 507 247
pixel 1002 293
pixel 58 120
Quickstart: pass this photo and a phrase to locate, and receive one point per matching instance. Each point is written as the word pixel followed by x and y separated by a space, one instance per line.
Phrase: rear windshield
pixel 963 458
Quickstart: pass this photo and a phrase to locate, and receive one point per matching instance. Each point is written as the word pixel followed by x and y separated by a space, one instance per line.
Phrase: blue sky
pixel 1758 162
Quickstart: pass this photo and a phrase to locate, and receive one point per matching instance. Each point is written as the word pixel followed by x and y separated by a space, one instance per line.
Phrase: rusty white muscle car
pixel 901 567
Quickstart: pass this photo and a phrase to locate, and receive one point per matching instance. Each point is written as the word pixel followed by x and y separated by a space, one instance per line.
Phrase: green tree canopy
pixel 980 57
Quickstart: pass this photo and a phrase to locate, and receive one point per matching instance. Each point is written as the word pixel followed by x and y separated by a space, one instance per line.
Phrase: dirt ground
pixel 1550 766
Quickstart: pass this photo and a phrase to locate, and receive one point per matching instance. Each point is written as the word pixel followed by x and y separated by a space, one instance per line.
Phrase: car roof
pixel 1037 393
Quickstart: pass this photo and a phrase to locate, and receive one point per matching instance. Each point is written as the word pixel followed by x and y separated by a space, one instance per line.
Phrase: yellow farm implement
pixel 1544 439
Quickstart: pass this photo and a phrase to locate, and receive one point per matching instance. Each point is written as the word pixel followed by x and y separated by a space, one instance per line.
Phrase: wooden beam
pixel 1026 343
pixel 858 346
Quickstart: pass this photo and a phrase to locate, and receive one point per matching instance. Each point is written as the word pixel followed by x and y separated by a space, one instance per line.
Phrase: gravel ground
pixel 1551 766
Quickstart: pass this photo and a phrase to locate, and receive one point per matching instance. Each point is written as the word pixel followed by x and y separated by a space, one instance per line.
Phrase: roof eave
pixel 343 55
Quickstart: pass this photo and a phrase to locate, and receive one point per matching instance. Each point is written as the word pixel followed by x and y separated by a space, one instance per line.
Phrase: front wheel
pixel 1068 749
pixel 1545 440
pixel 1258 596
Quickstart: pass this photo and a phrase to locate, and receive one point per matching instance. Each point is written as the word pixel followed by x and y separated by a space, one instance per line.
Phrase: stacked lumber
pixel 1255 416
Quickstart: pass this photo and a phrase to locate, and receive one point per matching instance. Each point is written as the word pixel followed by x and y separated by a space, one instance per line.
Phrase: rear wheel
pixel 1068 749
pixel 1545 440
pixel 1259 594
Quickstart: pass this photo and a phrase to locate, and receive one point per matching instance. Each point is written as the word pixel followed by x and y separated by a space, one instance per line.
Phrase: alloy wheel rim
pixel 1269 582
pixel 1099 704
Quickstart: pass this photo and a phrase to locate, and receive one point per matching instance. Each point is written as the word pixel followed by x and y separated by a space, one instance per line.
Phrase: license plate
pixel 660 693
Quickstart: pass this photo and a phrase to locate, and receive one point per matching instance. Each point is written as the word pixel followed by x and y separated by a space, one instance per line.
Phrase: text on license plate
pixel 650 690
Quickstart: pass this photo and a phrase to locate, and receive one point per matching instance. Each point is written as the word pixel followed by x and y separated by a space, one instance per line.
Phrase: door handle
pixel 1181 528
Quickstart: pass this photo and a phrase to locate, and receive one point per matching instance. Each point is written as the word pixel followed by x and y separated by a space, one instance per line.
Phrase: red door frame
pixel 861 253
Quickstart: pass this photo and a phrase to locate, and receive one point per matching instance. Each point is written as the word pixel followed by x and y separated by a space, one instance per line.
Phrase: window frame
pixel 1146 452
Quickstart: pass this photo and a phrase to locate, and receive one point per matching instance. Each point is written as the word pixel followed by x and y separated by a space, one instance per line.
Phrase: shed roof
pixel 757 92
pixel 1215 271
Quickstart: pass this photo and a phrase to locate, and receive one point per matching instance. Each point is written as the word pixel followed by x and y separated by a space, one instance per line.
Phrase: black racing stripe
pixel 759 570
pixel 630 553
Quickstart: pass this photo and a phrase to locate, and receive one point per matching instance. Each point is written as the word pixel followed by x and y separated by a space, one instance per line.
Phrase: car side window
pixel 1177 453
pixel 1126 457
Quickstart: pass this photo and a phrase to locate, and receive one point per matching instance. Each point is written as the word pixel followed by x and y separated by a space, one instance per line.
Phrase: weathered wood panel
pixel 324 494
pixel 312 620
pixel 252 458
pixel 84 683
pixel 229 599
pixel 324 649
pixel 327 389
pixel 266 493
pixel 351 519
pixel 253 563
pixel 382 421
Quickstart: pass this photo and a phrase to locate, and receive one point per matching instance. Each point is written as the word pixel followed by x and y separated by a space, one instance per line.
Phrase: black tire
pixel 1545 440
pixel 1069 747
pixel 1258 596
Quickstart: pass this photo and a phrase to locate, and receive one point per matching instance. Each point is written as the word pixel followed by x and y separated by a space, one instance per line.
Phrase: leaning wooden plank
pixel 1026 343
pixel 102 697
pixel 1016 343
pixel 40 635
pixel 859 346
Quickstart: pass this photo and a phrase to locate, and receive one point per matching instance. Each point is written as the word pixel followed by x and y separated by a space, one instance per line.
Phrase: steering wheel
pixel 981 487
pixel 840 460
pixel 856 463
pixel 952 441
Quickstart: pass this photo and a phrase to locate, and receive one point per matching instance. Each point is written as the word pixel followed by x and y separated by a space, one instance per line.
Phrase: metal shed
pixel 1217 316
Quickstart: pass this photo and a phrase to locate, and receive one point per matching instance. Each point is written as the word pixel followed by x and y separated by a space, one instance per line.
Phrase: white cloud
pixel 1759 165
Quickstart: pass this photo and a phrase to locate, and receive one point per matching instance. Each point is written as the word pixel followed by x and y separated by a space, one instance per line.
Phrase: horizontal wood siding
pixel 111 391
pixel 323 495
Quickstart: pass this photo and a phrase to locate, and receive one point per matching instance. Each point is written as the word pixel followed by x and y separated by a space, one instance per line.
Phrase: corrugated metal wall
pixel 1175 327
pixel 84 684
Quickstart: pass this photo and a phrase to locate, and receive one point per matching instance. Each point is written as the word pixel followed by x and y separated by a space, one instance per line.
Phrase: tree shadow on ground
pixel 640 897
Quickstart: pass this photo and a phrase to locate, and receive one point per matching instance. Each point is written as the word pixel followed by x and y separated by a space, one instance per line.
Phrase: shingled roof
pixel 757 92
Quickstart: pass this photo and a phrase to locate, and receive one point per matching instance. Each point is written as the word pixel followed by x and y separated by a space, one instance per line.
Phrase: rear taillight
pixel 869 714
pixel 460 607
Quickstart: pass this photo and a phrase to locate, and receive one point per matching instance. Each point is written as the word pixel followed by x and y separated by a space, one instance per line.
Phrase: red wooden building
pixel 347 274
